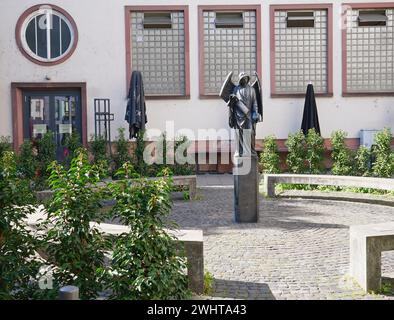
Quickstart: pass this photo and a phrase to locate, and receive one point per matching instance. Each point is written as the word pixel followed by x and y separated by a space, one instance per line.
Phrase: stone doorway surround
pixel 17 89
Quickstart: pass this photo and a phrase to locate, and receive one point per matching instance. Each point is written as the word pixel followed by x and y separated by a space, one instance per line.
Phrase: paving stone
pixel 299 249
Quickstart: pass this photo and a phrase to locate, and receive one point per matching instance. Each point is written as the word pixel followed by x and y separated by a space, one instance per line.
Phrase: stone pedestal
pixel 246 189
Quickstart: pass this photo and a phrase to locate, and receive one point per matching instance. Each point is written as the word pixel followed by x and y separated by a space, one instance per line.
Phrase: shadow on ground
pixel 241 290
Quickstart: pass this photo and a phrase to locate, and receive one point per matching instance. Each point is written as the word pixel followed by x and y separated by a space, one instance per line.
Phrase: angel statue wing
pixel 227 88
pixel 259 96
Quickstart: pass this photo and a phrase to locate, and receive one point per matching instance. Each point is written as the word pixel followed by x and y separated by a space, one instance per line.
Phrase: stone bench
pixel 270 180
pixel 367 242
pixel 194 250
pixel 189 181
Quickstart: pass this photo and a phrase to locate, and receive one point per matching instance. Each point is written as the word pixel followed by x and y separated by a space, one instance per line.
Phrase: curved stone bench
pixel 270 180
pixel 184 181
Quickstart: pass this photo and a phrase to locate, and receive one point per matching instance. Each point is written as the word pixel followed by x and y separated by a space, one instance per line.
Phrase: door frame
pixel 17 89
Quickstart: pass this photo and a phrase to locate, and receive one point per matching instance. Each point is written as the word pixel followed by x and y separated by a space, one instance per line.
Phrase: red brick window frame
pixel 274 58
pixel 346 91
pixel 22 43
pixel 129 10
pixel 225 8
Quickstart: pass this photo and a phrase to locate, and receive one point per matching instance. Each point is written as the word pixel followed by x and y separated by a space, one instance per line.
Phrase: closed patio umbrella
pixel 310 118
pixel 136 107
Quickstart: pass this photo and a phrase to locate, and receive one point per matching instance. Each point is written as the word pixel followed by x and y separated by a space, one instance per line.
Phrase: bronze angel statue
pixel 245 110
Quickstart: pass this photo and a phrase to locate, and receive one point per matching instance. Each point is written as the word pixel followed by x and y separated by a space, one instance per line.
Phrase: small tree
pixel 341 155
pixel 5 145
pixel 27 160
pixel 76 248
pixel 146 263
pixel 122 150
pixel 72 143
pixel 138 159
pixel 383 165
pixel 297 152
pixel 362 161
pixel 19 265
pixel 315 151
pixel 269 158
pixel 46 153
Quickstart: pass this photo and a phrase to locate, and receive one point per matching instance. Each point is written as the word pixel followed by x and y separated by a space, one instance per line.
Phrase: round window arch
pixel 46 34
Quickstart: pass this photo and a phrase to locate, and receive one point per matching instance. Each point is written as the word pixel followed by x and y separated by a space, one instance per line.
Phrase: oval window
pixel 47 35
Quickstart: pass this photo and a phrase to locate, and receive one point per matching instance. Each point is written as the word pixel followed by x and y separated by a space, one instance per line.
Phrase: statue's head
pixel 243 79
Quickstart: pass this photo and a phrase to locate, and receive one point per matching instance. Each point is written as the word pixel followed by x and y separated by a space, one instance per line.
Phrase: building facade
pixel 57 57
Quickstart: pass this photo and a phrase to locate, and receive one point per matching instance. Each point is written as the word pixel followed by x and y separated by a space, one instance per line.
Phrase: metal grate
pixel 301 55
pixel 370 55
pixel 228 49
pixel 160 55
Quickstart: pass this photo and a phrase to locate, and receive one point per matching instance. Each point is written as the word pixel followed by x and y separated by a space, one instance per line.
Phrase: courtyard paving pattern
pixel 299 249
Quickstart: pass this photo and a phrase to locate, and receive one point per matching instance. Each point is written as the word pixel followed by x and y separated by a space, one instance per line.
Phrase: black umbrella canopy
pixel 310 118
pixel 136 107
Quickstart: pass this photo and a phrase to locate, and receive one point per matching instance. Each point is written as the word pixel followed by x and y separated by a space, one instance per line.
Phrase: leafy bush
pixel 269 158
pixel 315 151
pixel 19 265
pixel 296 156
pixel 383 165
pixel 122 150
pixel 27 160
pixel 98 148
pixel 72 143
pixel 139 163
pixel 5 145
pixel 341 155
pixel 46 153
pixel 72 245
pixel 181 146
pixel 146 262
pixel 362 161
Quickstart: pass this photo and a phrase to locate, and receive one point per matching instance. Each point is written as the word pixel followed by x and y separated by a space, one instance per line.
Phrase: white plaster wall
pixel 99 60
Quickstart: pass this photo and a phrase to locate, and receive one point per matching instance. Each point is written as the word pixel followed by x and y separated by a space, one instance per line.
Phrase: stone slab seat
pixel 194 250
pixel 367 242
pixel 270 180
pixel 189 181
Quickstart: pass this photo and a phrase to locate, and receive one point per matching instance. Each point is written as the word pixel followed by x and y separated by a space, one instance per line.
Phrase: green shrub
pixel 383 165
pixel 46 153
pixel 269 158
pixel 315 151
pixel 182 169
pixel 208 283
pixel 139 164
pixel 98 148
pixel 19 265
pixel 341 155
pixel 27 160
pixel 146 263
pixel 5 145
pixel 297 149
pixel 76 248
pixel 122 150
pixel 72 143
pixel 362 161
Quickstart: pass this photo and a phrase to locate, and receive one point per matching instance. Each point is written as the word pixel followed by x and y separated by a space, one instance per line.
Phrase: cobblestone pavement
pixel 298 250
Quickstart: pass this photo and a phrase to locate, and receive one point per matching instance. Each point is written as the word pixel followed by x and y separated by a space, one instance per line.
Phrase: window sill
pixel 164 97
pixel 367 94
pixel 299 95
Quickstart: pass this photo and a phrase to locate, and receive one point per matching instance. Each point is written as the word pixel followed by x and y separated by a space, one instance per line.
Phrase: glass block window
pixel 158 51
pixel 370 55
pixel 229 44
pixel 301 51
